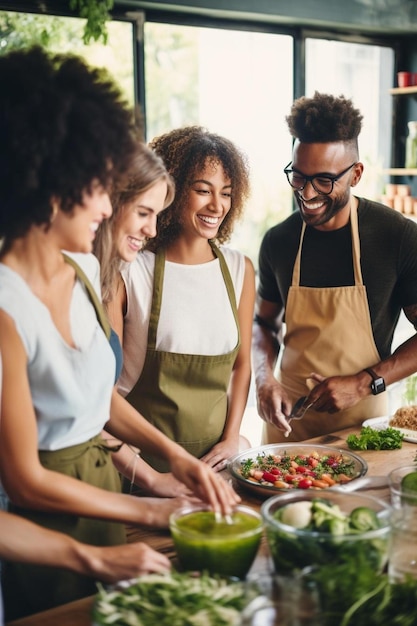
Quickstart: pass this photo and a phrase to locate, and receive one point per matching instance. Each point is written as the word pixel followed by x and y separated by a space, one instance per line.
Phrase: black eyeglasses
pixel 322 183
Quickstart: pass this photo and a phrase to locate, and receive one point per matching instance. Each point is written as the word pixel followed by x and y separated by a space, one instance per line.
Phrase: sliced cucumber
pixel 409 486
pixel 362 518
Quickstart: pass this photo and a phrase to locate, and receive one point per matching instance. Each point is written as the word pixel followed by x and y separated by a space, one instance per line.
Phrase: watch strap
pixel 371 373
pixel 378 383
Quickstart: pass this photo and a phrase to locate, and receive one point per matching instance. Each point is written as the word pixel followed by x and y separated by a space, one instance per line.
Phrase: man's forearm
pixel 265 350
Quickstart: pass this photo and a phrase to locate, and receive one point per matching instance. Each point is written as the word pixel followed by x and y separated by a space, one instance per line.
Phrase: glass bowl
pixel 205 543
pixel 236 464
pixel 293 549
pixel 403 493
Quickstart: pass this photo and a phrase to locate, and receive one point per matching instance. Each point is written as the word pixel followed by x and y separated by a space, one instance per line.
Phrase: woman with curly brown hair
pixel 189 303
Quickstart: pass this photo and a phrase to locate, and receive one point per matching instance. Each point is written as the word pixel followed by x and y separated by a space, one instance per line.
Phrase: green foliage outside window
pixel 96 13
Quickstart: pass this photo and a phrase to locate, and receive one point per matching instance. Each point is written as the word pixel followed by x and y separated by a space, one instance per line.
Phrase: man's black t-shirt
pixel 388 243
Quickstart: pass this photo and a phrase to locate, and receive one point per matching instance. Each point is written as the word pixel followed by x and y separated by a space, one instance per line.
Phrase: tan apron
pixel 184 395
pixel 328 331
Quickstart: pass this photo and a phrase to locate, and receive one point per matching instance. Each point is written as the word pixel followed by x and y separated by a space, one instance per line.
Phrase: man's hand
pixel 337 393
pixel 274 405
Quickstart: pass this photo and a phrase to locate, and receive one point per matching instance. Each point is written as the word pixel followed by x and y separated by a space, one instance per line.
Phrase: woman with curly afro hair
pixel 67 137
pixel 189 303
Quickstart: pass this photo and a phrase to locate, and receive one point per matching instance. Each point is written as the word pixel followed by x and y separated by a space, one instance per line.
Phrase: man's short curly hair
pixel 324 119
pixel 63 125
pixel 186 152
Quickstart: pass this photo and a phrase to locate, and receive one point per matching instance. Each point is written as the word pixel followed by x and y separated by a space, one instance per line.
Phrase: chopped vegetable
pixel 371 439
pixel 363 519
pixel 297 514
pixel 313 471
pixel 171 599
pixel 293 551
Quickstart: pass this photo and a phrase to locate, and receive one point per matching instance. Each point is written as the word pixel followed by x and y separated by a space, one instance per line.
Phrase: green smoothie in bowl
pixel 206 542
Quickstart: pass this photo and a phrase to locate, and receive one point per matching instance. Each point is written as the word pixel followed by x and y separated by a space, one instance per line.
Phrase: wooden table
pixel 79 613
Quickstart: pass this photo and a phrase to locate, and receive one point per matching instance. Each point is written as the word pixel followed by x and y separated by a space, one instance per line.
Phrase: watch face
pixel 378 386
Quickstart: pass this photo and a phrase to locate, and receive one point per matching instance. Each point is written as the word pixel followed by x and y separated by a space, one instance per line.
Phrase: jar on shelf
pixel 411 146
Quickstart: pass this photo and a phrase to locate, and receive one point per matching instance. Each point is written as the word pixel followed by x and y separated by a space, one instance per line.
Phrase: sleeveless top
pixel 71 387
pixel 195 318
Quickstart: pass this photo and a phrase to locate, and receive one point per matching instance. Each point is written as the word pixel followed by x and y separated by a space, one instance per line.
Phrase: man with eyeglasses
pixel 333 279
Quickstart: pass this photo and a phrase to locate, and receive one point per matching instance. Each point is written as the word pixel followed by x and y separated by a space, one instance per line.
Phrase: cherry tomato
pixel 271 478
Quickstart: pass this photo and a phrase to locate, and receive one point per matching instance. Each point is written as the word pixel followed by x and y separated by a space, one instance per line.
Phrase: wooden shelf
pixel 399 91
pixel 401 171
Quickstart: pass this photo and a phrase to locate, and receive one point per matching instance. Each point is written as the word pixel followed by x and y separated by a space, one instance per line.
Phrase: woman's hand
pixel 115 563
pixel 165 485
pixel 217 456
pixel 205 483
pixel 155 512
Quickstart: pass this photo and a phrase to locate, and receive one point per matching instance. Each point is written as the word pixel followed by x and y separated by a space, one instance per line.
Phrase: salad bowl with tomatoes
pixel 275 468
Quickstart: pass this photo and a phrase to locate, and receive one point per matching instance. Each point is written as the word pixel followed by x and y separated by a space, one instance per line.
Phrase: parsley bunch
pixel 371 439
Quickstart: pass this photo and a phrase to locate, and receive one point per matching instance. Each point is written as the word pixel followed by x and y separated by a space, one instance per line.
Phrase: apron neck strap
pixel 356 249
pixel 91 292
pixel 158 284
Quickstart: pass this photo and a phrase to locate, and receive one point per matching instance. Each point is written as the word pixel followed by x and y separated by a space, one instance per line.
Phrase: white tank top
pixel 196 316
pixel 71 387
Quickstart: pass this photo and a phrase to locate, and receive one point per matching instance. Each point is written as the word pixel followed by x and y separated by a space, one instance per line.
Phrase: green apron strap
pixel 229 284
pixel 101 315
pixel 156 298
pixel 157 292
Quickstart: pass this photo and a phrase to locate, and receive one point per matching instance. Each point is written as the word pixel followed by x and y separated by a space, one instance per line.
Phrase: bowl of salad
pixel 172 598
pixel 274 468
pixel 223 546
pixel 307 528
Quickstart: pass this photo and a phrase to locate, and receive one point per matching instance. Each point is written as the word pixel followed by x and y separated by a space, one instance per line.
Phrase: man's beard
pixel 332 207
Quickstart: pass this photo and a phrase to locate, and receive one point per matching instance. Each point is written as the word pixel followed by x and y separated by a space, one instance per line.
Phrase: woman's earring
pixel 53 214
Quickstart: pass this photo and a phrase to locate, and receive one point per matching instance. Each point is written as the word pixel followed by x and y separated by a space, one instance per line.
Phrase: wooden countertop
pixel 78 613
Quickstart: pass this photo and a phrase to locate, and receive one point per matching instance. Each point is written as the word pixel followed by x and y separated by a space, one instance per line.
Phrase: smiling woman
pixel 58 367
pixel 190 299
pixel 146 190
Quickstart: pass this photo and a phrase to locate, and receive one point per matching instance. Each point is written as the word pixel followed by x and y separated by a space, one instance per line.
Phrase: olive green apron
pixel 30 588
pixel 328 331
pixel 184 395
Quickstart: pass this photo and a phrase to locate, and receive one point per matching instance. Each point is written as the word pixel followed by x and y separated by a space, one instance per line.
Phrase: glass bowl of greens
pixel 224 546
pixel 306 528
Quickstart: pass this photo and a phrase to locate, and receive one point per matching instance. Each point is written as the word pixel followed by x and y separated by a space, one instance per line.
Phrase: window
pixel 237 84
pixel 64 34
pixel 364 73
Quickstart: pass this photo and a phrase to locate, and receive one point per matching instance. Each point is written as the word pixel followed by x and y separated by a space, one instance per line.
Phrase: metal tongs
pixel 299 409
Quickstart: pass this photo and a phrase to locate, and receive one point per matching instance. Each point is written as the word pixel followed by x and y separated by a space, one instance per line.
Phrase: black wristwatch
pixel 377 384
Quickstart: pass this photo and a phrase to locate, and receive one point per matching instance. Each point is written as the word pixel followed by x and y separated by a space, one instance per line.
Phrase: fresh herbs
pixel 371 439
pixel 171 600
pixel 368 598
